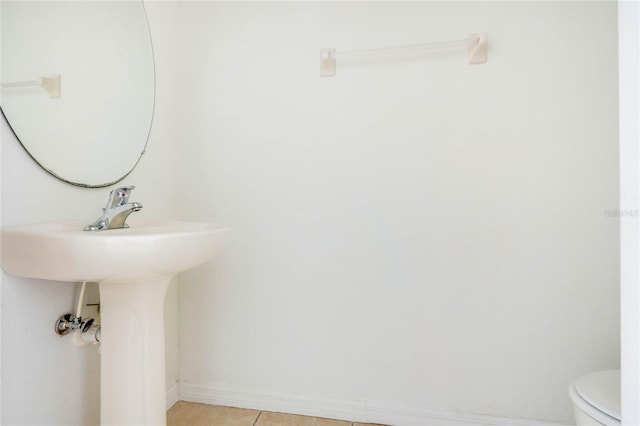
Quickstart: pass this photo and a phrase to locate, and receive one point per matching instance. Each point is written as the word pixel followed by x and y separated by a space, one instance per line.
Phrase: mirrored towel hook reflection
pixel 51 84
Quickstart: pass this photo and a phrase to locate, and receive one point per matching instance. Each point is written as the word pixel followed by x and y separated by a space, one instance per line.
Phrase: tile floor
pixel 193 414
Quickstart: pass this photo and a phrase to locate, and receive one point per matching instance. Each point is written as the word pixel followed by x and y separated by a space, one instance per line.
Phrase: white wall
pixel 417 232
pixel 45 379
pixel 629 63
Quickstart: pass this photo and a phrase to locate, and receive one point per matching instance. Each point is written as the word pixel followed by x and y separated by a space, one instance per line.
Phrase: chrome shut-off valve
pixel 89 331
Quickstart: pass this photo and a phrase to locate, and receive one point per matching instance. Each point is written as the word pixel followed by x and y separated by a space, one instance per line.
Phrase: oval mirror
pixel 78 85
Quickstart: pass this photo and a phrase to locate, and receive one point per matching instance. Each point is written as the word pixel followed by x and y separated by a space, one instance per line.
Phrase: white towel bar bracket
pixel 476 45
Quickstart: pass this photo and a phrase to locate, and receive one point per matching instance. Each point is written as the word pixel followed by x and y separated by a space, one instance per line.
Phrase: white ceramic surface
pixel 134 267
pixel 596 398
pixel 62 251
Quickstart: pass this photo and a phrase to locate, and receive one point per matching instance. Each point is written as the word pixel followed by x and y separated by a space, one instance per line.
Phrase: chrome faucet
pixel 117 210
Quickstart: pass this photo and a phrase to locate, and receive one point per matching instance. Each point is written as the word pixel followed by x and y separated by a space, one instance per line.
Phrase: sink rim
pixel 62 251
pixel 134 228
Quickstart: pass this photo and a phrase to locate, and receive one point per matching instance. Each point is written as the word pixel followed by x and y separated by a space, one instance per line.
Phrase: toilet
pixel 596 398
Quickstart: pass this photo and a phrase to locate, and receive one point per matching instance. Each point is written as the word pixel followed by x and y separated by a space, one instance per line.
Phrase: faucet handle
pixel 124 189
pixel 119 196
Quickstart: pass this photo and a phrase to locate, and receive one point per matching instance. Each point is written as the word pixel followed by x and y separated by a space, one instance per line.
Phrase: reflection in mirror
pixel 78 85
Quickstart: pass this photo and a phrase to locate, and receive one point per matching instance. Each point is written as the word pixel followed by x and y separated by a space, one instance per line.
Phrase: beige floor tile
pixel 193 414
pixel 279 419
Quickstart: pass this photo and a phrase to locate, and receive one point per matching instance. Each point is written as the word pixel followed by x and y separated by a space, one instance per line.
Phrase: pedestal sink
pixel 133 266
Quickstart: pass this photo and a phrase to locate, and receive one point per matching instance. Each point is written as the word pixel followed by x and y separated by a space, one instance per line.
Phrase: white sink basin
pixel 62 251
pixel 134 267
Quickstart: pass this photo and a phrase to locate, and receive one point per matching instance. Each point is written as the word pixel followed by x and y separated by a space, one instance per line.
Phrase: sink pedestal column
pixel 132 372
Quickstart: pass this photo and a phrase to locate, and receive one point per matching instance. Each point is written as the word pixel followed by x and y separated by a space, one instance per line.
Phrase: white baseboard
pixel 351 410
pixel 407 415
pixel 172 395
